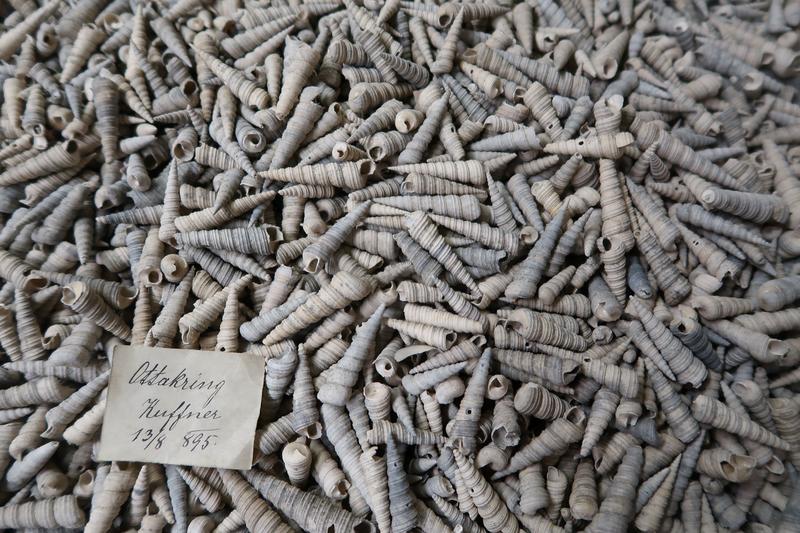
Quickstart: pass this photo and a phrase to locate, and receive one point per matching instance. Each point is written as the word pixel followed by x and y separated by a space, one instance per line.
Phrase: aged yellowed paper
pixel 184 407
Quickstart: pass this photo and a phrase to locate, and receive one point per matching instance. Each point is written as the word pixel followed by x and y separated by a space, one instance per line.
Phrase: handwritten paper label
pixel 184 407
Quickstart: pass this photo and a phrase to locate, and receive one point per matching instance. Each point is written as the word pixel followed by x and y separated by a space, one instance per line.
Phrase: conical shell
pixel 465 424
pixel 469 172
pixel 304 405
pixel 713 412
pixel 649 517
pixel 532 268
pixel 496 516
pixel 617 509
pixel 606 146
pixel 415 150
pixel 341 377
pixel 257 514
pixel 318 253
pixel 339 432
pixel 61 512
pixel 308 510
pixel 114 492
pixel 60 416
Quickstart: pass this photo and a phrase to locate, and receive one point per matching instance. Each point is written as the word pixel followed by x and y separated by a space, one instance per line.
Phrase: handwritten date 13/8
pixel 149 438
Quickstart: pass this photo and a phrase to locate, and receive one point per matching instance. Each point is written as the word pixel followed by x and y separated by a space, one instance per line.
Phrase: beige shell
pixel 346 448
pixel 755 401
pixel 279 373
pixel 60 416
pixel 722 464
pixel 545 328
pixel 26 468
pixel 28 331
pixel 535 400
pixel 85 427
pixel 228 335
pixel 469 172
pixel 713 412
pixel 560 432
pixel 176 486
pixel 340 378
pixel 618 507
pixel 61 512
pixel 37 391
pixel 679 418
pixel 383 431
pixel 583 495
pixel 505 424
pixel 273 436
pixel 318 253
pixel 533 493
pixel 302 507
pixel 244 89
pixel 327 473
pixel 531 270
pixel 761 347
pixel 651 514
pixel 165 326
pixel 606 146
pixel 297 460
pixel 83 300
pixel 557 484
pixel 256 512
pixel 298 128
pixel 114 492
pixel 775 294
pixel 348 174
pixel 784 418
pixel 539 102
pixel 494 512
pixel 465 424
pixel 140 496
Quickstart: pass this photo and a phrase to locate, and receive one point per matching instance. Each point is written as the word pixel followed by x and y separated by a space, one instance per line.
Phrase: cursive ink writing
pixel 200 438
pixel 155 375
pixel 148 437
pixel 171 417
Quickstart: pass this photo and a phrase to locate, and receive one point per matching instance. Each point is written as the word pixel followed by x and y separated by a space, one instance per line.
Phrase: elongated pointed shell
pixel 341 377
pixel 495 513
pixel 113 493
pixel 607 146
pixel 61 512
pixel 713 412
pixel 312 512
pixel 617 508
pixel 558 435
pixel 257 514
pixel 244 89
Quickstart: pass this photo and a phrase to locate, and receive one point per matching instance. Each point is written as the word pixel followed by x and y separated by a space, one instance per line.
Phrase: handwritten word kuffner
pixel 182 412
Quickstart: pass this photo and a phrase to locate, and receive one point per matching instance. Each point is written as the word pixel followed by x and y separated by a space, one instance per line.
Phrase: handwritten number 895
pixel 197 439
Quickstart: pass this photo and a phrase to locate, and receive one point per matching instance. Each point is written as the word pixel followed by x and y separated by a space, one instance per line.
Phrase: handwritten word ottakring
pixel 156 375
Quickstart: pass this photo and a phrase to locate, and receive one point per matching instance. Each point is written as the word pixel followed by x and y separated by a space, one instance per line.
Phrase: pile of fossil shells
pixel 512 265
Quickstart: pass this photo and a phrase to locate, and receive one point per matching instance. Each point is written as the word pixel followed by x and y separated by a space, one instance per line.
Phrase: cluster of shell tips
pixel 512 265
